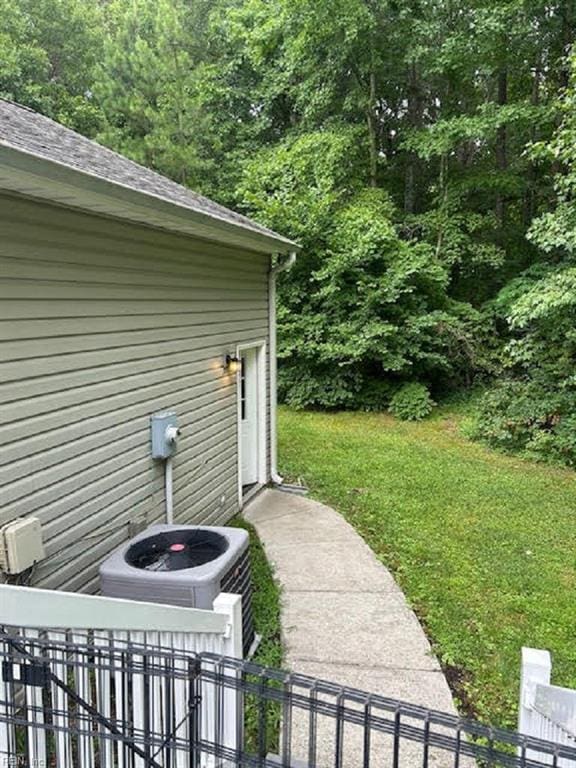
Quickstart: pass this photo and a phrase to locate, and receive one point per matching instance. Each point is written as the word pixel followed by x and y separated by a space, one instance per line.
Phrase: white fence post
pixel 228 699
pixel 546 711
pixel 536 669
pixel 231 606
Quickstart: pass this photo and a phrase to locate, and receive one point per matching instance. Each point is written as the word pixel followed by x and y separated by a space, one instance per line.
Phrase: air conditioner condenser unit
pixel 183 565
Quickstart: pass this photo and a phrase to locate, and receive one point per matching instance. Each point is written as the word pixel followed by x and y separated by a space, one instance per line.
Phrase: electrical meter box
pixel 21 545
pixel 164 428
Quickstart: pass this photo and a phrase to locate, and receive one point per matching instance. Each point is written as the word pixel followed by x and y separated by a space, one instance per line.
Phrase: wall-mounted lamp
pixel 232 364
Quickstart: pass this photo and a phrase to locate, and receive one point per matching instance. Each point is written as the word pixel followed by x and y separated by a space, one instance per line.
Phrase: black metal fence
pixel 90 700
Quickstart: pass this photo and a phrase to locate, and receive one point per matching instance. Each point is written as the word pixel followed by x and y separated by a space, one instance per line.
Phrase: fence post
pixel 536 670
pixel 228 732
pixel 231 606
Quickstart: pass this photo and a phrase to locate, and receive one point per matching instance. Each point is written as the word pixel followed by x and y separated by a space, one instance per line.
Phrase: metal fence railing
pixel 91 700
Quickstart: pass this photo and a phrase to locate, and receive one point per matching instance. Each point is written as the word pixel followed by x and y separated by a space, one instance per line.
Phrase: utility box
pixel 164 429
pixel 21 545
pixel 186 565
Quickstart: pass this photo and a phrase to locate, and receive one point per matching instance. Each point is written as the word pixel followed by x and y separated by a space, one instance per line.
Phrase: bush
pixel 530 417
pixel 303 384
pixel 411 402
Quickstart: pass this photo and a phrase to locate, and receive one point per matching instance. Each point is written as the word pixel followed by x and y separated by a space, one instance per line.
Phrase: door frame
pixel 260 349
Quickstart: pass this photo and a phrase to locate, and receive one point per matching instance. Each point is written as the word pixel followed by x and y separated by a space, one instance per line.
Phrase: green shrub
pixel 411 402
pixel 301 384
pixel 529 416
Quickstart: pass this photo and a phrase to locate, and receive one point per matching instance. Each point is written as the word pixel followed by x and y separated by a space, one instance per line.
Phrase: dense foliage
pixel 533 407
pixel 421 151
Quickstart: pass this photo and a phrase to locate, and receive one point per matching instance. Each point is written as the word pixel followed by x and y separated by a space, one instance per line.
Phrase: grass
pixel 483 544
pixel 265 601
pixel 266 607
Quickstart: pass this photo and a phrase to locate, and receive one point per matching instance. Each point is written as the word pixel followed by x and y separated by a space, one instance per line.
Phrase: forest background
pixel 422 152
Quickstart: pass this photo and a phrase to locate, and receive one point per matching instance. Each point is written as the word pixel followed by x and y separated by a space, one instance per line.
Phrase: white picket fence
pixel 135 701
pixel 546 711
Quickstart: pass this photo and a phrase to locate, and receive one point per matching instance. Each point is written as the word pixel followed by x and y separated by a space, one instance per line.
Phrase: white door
pixel 249 416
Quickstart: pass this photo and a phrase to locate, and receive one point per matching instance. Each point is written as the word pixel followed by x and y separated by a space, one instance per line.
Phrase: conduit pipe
pixel 171 435
pixel 168 491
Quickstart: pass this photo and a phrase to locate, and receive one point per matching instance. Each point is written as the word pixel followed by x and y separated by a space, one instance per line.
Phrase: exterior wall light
pixel 232 364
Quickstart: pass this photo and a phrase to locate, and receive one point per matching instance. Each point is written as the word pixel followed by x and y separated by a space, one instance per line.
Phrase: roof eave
pixel 35 176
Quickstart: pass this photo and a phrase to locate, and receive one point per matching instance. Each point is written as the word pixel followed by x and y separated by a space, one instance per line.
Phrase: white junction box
pixel 20 544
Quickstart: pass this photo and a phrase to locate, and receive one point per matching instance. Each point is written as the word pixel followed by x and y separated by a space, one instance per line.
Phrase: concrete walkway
pixel 344 618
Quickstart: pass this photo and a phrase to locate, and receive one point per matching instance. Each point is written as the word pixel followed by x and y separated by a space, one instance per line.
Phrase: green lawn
pixel 483 544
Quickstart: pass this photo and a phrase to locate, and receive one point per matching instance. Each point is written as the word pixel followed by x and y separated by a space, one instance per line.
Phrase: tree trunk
pixel 372 131
pixel 443 186
pixel 410 184
pixel 501 143
pixel 530 194
pixel 415 121
pixel 567 37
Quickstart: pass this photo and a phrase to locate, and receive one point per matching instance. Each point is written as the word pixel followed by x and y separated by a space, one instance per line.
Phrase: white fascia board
pixel 34 176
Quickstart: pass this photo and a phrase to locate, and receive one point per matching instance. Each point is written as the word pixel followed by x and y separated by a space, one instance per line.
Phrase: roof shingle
pixel 33 133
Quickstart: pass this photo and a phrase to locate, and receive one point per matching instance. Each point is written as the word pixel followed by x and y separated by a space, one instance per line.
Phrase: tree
pixel 486 67
pixel 416 149
pixel 363 310
pixel 49 52
pixel 149 86
pixel 532 408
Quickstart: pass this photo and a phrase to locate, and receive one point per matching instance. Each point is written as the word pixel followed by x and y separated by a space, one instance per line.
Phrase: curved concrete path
pixel 344 617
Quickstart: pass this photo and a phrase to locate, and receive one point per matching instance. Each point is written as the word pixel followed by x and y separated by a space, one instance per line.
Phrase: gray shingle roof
pixel 33 133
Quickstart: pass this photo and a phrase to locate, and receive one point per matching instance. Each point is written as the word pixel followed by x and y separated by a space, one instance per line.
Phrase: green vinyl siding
pixel 101 324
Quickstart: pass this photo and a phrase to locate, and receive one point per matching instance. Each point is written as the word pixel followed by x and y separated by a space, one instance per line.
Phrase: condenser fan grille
pixel 176 550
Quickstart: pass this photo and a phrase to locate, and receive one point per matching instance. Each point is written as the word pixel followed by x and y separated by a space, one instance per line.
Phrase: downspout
pixel 275 270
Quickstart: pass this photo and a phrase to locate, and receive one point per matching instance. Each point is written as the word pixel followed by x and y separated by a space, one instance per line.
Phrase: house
pixel 124 294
